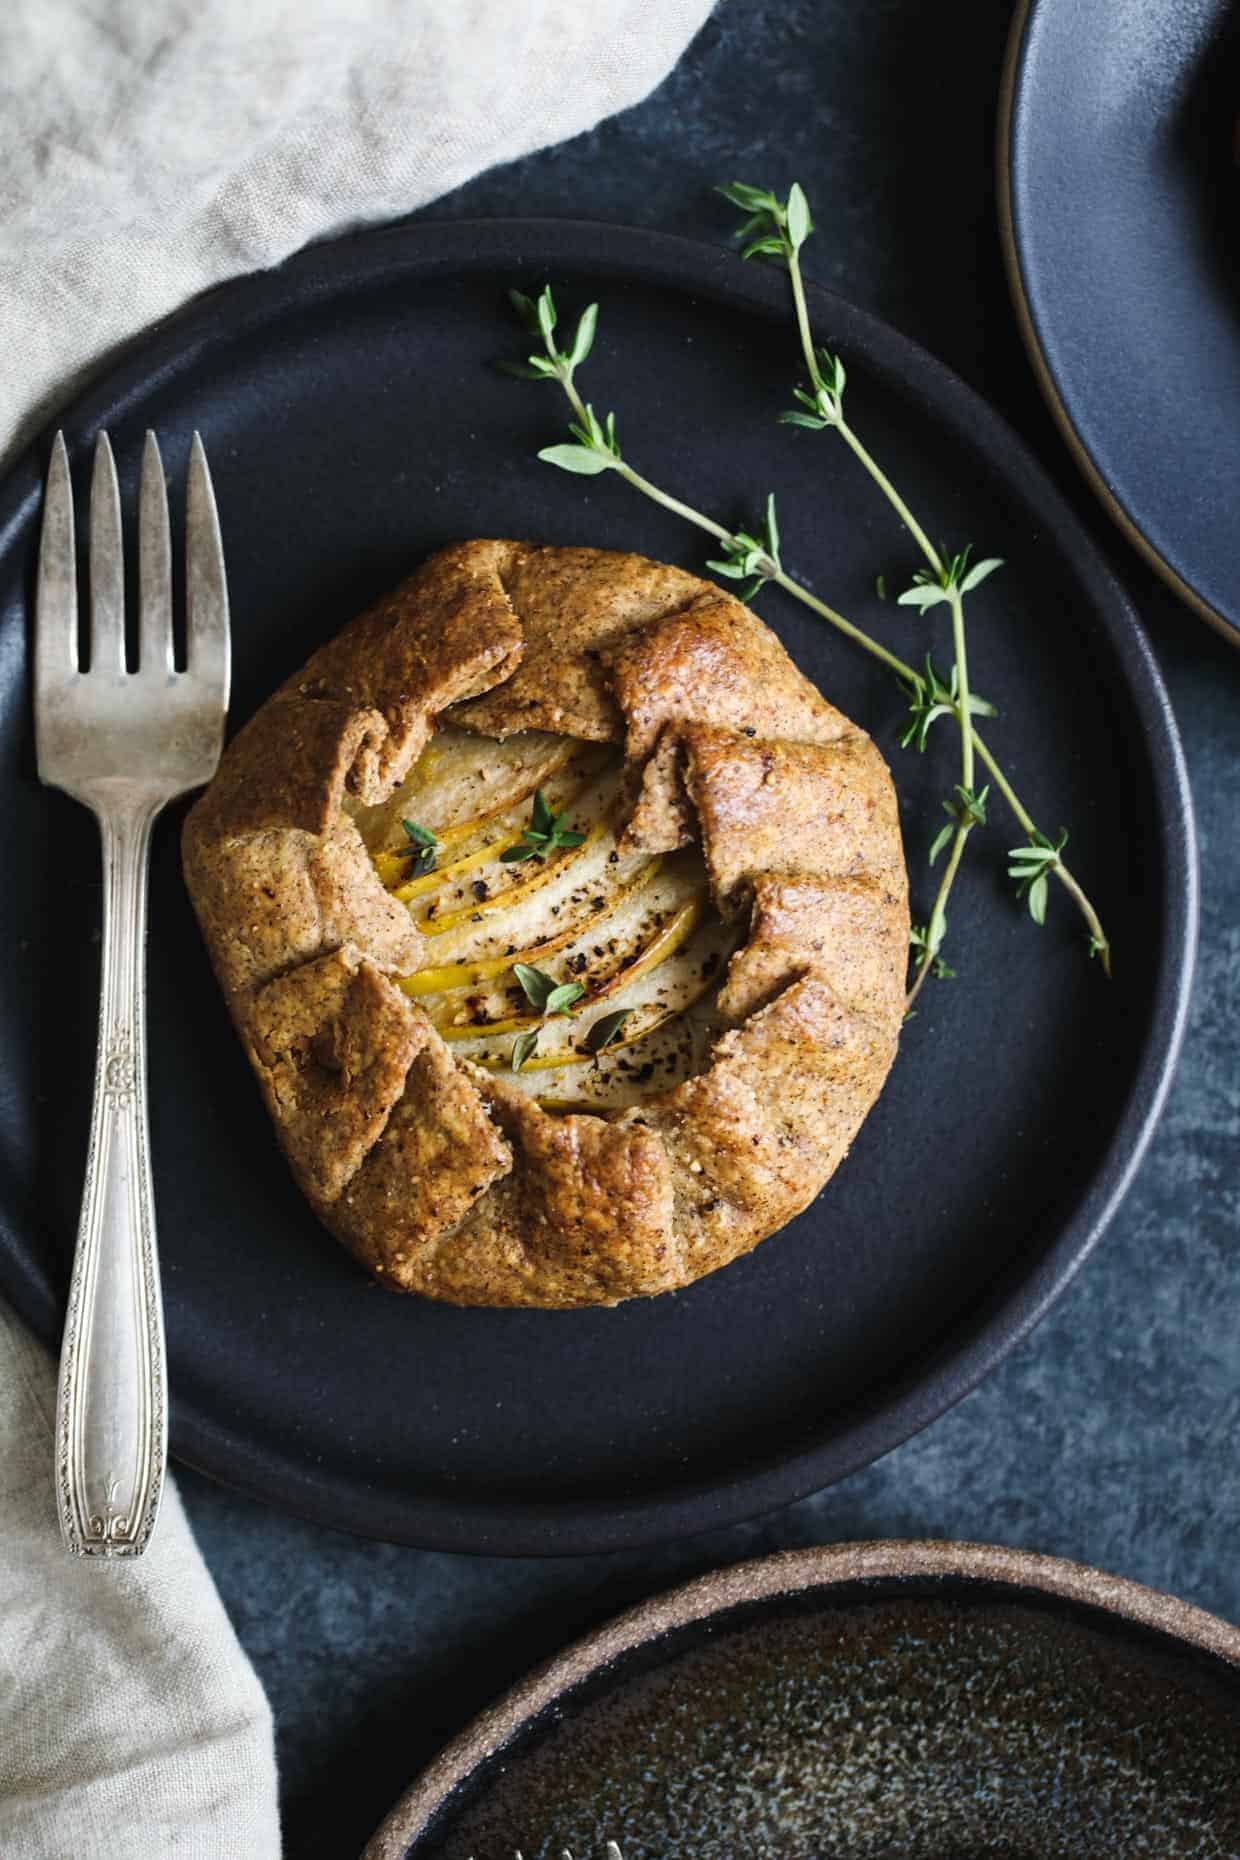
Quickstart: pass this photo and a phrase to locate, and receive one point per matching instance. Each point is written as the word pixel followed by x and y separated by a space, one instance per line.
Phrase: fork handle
pixel 111 1421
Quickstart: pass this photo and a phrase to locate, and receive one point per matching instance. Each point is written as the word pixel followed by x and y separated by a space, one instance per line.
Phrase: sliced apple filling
pixel 456 790
pixel 533 894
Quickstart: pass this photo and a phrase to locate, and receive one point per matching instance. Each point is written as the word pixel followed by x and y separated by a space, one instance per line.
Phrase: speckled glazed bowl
pixel 899 1701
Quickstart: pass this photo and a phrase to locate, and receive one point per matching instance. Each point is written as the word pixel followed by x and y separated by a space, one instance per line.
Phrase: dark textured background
pixel 1111 1435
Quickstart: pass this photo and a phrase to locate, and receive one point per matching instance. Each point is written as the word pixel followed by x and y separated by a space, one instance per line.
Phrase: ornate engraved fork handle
pixel 112 1398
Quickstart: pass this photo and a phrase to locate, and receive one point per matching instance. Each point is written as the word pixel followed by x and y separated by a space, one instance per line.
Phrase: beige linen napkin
pixel 131 1722
pixel 148 150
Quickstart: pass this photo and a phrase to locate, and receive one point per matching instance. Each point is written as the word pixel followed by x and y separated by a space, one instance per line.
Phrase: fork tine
pixel 206 588
pixel 154 565
pixel 55 651
pixel 107 565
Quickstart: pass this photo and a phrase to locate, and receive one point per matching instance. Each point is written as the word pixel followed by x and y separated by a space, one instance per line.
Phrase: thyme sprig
pixel 597 441
pixel 549 997
pixel 778 229
pixel 544 834
pixel 775 229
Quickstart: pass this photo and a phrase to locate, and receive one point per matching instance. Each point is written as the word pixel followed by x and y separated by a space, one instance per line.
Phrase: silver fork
pixel 124 744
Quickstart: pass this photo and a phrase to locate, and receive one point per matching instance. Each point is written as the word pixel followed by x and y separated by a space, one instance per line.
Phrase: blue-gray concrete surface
pixel 1112 1434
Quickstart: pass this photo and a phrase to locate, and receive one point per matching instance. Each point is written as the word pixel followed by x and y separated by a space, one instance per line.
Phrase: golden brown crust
pixel 439 1153
pixel 573 605
pixel 662 817
pixel 585 1218
pixel 445 1179
pixel 332 1042
pixel 447 633
pixel 780 809
pixel 754 1138
pixel 714 661
pixel 851 932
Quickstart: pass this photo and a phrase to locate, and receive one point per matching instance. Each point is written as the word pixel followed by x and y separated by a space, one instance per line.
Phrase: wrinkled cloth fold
pixel 132 1725
pixel 147 152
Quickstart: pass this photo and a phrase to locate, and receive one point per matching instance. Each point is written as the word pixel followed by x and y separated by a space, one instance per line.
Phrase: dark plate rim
pixel 1011 106
pixel 773 1578
pixel 1008 1312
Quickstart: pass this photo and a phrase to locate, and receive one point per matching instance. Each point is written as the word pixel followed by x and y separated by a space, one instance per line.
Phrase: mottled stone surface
pixel 1111 1435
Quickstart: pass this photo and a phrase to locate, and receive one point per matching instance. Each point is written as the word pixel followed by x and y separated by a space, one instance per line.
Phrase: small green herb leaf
pixel 1036 897
pixel 523 1047
pixel 537 986
pixel 800 226
pixel 927 940
pixel 748 199
pixel 583 460
pixel 831 373
pixel 542 820
pixel 978 573
pixel 772 526
pixel 583 341
pixel 941 839
pixel 966 808
pixel 922 594
pixel 1031 865
pixel 547 318
pixel 767 247
pixel 544 834
pixel 751 559
pixel 526 309
pixel 560 1000
pixel 606 1029
pixel 538 368
pixel 421 849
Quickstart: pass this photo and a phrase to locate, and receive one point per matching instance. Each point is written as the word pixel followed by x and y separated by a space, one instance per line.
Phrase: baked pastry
pixel 720 856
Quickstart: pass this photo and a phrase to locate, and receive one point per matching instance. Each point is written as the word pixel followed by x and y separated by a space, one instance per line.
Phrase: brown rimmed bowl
pixel 880 1701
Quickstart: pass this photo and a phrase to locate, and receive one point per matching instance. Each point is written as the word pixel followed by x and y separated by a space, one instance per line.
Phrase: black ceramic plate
pixel 353 424
pixel 869 1701
pixel 1120 199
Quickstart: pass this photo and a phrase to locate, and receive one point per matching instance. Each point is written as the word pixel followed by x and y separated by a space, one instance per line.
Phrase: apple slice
pixel 467 975
pixel 462 782
pixel 617 946
pixel 662 992
pixel 475 843
pixel 627 1074
pixel 504 908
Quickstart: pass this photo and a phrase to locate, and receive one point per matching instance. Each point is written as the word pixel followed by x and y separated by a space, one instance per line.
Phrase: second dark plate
pixel 354 424
pixel 1119 195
